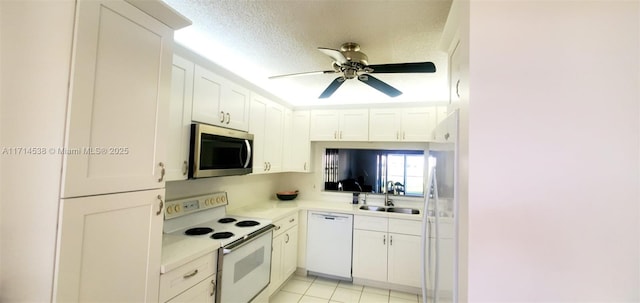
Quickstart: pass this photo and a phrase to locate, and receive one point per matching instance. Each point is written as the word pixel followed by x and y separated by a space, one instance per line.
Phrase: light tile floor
pixel 312 289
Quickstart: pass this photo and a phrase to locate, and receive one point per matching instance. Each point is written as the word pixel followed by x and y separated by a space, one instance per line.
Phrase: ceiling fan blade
pixel 305 74
pixel 415 67
pixel 335 54
pixel 335 84
pixel 379 85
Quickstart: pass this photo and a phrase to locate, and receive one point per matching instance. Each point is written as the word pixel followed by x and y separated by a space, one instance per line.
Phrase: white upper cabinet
pixel 297 147
pixel 119 101
pixel 404 124
pixel 267 127
pixel 339 125
pixel 179 119
pixel 218 101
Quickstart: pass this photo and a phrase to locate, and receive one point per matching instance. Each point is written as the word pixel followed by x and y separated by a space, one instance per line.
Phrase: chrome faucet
pixel 387 201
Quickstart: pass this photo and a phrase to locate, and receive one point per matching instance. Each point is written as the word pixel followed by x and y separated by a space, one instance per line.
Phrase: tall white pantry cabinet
pixel 112 189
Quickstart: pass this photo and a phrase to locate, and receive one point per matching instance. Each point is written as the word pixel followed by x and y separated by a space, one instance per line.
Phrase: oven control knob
pixel 218 199
pixel 223 199
pixel 207 202
pixel 169 210
pixel 176 208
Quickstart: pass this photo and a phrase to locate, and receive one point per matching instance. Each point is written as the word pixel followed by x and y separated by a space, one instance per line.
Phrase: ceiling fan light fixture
pixel 353 63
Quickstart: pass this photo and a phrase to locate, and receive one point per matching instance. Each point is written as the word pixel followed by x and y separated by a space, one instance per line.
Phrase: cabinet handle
pixel 287 240
pixel 185 168
pixel 221 117
pixel 390 240
pixel 340 135
pixel 384 239
pixel 291 220
pixel 335 134
pixel 161 205
pixel 446 136
pixel 458 88
pixel 404 135
pixel 191 274
pixel 213 288
pixel 305 166
pixel 269 163
pixel 277 227
pixel 162 171
pixel 265 167
pixel 228 118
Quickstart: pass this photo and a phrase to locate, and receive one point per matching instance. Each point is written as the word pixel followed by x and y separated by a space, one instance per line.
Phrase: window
pixel 366 170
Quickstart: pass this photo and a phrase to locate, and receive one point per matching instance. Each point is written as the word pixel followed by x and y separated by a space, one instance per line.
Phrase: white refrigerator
pixel 439 238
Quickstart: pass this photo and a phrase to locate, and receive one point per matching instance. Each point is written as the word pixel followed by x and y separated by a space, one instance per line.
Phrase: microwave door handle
pixel 246 163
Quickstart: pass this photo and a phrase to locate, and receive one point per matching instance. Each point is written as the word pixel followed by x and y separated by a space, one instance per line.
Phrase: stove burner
pixel 196 231
pixel 226 220
pixel 247 223
pixel 222 235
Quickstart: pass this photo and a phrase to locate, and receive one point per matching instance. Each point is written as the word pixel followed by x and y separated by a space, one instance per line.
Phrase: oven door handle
pixel 245 240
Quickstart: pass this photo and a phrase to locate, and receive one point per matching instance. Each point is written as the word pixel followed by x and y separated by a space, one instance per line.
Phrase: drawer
pixel 178 280
pixel 407 227
pixel 285 223
pixel 204 291
pixel 370 223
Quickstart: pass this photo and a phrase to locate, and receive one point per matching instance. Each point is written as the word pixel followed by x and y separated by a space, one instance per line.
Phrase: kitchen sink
pixel 403 210
pixel 372 208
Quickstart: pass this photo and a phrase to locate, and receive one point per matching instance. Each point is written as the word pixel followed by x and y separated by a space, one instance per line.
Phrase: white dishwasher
pixel 329 244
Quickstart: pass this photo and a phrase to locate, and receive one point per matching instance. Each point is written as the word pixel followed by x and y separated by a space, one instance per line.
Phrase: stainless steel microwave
pixel 216 151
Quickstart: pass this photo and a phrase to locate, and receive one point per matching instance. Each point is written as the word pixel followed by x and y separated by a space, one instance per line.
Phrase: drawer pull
pixel 277 227
pixel 291 220
pixel 213 288
pixel 191 274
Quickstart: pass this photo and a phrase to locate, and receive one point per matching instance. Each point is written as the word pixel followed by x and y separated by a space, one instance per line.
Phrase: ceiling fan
pixel 353 63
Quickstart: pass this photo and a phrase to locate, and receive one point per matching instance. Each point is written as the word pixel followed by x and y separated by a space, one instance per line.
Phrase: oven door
pixel 245 270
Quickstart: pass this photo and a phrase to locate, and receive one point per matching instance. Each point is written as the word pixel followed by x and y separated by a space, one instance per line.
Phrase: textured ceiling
pixel 258 39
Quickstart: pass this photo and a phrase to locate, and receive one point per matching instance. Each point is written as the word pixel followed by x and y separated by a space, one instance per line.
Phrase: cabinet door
pixel 384 124
pixel 300 146
pixel 119 101
pixel 404 259
pixel 256 127
pixel 354 125
pixel 455 71
pixel 235 104
pixel 277 276
pixel 109 248
pixel 290 252
pixel 370 255
pixel 274 128
pixel 207 95
pixel 418 124
pixel 179 119
pixel 202 292
pixel 324 125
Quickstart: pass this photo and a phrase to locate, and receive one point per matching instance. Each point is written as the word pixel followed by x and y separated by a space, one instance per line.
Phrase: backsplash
pixel 241 190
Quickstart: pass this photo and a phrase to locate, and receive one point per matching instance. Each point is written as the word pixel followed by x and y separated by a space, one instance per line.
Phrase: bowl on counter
pixel 286 195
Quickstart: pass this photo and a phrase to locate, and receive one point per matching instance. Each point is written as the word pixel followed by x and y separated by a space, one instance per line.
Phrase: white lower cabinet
pixel 202 292
pixel 285 251
pixel 109 248
pixel 178 284
pixel 387 250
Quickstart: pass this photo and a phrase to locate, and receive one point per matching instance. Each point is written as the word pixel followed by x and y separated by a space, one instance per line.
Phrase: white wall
pixel 554 145
pixel 242 191
pixel 35 54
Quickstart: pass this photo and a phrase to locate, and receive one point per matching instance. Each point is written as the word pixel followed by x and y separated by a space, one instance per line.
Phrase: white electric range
pixel 195 226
